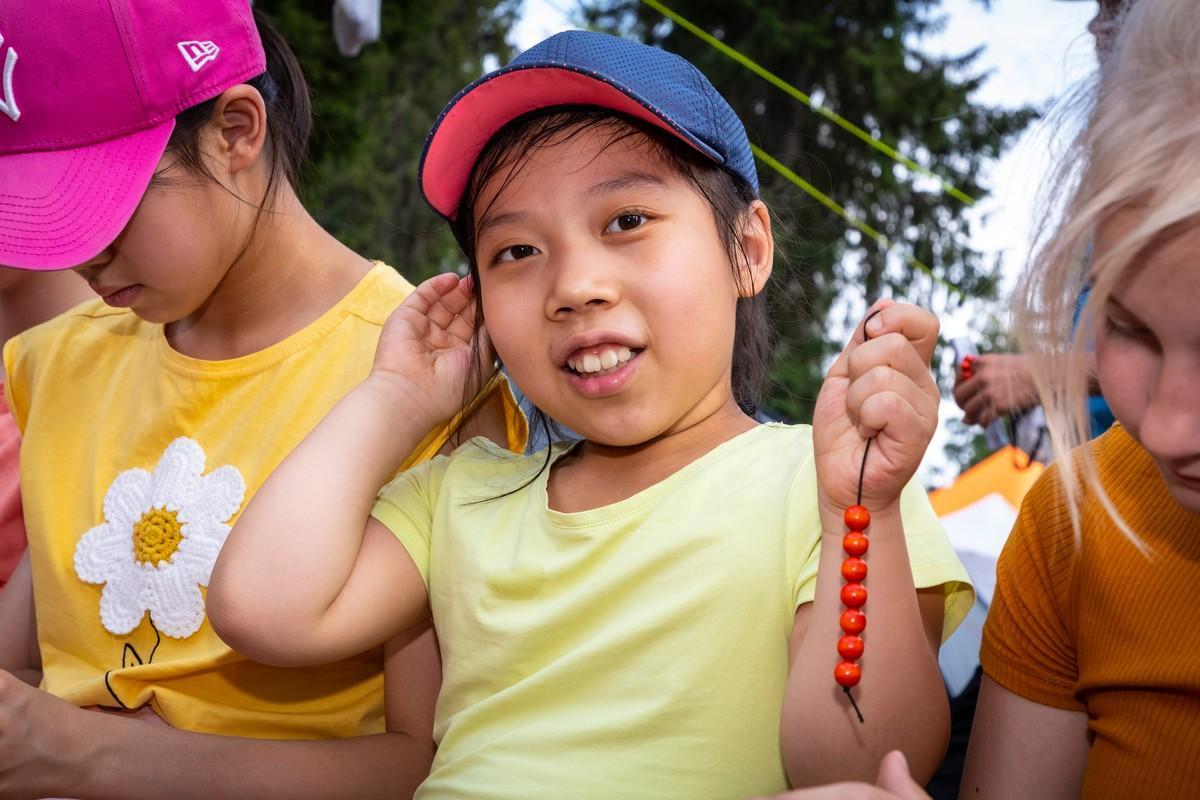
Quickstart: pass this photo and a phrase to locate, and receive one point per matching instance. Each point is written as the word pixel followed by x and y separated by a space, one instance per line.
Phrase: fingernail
pixel 875 323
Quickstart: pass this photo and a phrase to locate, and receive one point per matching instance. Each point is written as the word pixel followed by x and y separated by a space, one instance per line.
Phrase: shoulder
pixel 477 468
pixel 1126 473
pixel 380 291
pixel 782 444
pixel 76 334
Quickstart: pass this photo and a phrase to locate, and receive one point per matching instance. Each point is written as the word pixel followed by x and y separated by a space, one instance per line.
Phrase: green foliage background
pixel 855 56
pixel 373 111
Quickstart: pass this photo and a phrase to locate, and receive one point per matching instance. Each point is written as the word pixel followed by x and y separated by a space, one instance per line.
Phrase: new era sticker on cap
pixel 197 54
pixel 8 103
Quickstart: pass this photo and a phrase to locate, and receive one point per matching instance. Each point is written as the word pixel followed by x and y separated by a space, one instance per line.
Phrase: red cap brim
pixel 484 108
pixel 59 208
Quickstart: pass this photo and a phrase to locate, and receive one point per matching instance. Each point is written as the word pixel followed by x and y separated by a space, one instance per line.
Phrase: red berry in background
pixel 847 674
pixel 850 647
pixel 854 570
pixel 857 518
pixel 853 621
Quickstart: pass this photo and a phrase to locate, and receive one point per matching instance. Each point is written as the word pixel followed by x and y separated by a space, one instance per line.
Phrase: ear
pixel 757 250
pixel 240 118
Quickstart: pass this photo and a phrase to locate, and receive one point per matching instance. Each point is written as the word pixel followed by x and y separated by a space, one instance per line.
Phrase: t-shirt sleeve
pixel 406 507
pixel 1028 647
pixel 932 559
pixel 16 381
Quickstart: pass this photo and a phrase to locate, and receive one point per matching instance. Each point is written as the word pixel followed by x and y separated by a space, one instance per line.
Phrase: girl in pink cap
pixel 652 610
pixel 153 147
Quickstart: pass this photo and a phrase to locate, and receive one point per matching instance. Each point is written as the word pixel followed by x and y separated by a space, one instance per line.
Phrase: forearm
pixel 901 694
pixel 201 766
pixel 308 518
pixel 19 652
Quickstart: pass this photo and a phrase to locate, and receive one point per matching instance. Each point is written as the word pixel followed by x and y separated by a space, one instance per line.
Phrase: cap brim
pixel 486 106
pixel 59 208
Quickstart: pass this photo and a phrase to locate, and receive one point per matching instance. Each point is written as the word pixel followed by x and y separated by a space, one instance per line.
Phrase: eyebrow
pixel 631 180
pixel 492 220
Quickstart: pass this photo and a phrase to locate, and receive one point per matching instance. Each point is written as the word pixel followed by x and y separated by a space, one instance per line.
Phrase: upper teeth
pixel 602 358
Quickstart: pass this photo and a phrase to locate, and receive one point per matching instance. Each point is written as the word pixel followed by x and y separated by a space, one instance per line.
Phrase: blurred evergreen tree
pixel 373 111
pixel 857 57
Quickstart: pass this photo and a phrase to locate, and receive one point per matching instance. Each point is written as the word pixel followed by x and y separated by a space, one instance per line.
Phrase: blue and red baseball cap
pixel 581 68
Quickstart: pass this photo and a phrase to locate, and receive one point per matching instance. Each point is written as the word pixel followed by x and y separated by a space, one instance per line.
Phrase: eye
pixel 516 252
pixel 627 221
pixel 1129 331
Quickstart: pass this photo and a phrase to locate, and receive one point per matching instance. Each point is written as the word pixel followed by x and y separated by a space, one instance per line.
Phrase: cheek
pixel 510 319
pixel 1124 371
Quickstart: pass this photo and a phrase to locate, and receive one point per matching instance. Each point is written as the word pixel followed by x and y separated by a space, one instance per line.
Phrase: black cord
pixel 849 696
pixel 862 471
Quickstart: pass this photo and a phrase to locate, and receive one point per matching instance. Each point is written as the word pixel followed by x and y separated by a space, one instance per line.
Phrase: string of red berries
pixel 854 593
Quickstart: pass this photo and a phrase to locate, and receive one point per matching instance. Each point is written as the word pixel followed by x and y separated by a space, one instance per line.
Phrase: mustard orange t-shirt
pixel 135 463
pixel 1097 626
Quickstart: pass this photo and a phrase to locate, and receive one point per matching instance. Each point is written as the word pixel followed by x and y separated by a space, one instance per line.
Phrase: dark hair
pixel 289 117
pixel 726 194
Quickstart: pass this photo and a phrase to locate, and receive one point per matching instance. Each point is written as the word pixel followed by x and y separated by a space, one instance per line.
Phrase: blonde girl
pixel 1092 664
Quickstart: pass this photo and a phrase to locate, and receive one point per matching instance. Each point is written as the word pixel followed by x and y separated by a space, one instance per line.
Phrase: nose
pixel 582 281
pixel 1170 426
pixel 89 269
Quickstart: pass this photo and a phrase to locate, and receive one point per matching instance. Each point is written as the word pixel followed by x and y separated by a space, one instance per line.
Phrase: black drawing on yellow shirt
pixel 129 658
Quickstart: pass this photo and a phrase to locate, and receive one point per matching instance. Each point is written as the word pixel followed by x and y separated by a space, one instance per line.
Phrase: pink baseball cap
pixel 89 92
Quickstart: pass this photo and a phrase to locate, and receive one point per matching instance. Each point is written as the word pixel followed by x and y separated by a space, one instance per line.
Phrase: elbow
pixel 244 627
pixel 269 636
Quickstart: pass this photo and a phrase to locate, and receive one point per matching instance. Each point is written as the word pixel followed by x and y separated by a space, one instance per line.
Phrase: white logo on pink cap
pixel 8 105
pixel 197 54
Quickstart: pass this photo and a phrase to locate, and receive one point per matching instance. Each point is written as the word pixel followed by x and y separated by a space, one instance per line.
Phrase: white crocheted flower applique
pixel 162 533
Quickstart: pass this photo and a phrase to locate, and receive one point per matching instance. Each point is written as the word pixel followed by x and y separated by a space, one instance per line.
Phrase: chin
pixel 1187 495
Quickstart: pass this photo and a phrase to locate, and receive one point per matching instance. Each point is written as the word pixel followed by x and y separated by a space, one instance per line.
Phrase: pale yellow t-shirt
pixel 135 462
pixel 634 650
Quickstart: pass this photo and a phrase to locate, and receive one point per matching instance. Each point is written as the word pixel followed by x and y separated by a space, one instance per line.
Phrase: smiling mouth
pixel 601 360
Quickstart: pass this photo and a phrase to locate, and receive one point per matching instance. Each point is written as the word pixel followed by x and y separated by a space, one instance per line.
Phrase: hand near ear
pixel 425 348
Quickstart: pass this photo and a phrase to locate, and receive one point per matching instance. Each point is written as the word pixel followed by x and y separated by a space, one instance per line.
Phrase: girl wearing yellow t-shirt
pixel 651 611
pixel 154 147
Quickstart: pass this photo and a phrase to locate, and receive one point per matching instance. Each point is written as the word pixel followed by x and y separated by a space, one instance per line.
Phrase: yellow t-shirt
pixel 639 649
pixel 135 462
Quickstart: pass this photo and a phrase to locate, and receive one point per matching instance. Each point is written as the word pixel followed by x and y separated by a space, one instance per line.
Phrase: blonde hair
pixel 1140 150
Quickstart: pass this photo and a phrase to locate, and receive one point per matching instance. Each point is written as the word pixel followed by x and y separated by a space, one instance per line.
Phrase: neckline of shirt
pixel 612 513
pixel 271 355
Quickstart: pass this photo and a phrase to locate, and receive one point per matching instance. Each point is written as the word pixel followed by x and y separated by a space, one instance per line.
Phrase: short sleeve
pixel 16 382
pixel 406 507
pixel 1028 647
pixel 930 556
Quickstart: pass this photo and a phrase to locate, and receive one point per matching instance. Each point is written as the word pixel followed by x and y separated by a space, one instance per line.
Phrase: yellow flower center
pixel 156 536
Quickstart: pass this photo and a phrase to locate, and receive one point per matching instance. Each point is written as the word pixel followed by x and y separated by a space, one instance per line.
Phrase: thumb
pixel 895 778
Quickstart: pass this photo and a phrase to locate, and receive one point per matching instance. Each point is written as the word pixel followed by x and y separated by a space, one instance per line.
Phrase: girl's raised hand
pixel 424 350
pixel 880 387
